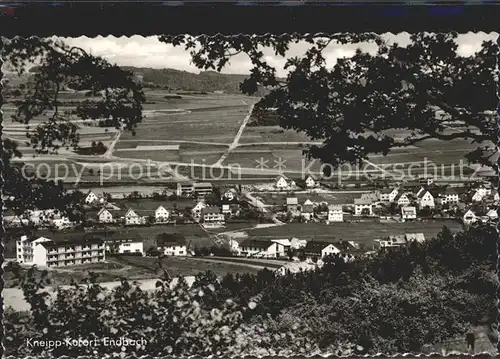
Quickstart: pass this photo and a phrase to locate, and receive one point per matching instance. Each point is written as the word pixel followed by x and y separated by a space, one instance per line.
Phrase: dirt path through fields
pixel 236 140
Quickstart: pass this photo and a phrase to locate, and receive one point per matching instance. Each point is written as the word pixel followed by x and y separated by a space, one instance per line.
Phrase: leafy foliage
pixel 396 302
pixel 423 88
pixel 116 98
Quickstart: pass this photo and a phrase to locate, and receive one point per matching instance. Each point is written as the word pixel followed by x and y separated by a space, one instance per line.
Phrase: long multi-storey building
pixel 46 252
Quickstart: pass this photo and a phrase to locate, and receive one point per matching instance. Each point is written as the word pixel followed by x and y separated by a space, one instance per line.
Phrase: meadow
pixel 362 232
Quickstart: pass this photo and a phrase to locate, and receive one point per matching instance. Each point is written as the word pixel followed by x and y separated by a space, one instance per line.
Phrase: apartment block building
pixel 46 252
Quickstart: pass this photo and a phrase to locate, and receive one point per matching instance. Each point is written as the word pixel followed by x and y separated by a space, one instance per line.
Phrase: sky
pixel 142 51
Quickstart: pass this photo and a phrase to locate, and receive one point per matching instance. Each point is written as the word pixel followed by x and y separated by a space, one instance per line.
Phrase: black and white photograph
pixel 250 195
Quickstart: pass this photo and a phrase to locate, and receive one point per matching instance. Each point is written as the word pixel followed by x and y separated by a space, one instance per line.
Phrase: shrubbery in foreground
pixel 396 302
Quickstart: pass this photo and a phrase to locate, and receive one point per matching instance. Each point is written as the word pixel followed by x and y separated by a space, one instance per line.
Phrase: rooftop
pixel 257 243
pixel 211 209
pixel 168 239
pixel 72 242
pixel 292 201
pixel 362 201
pixel 315 246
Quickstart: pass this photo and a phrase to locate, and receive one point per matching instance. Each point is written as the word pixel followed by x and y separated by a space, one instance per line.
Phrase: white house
pixel 335 213
pixel 469 217
pixel 478 196
pixel 212 217
pixel 226 209
pixel 283 183
pixel 230 194
pixel 259 248
pixel 388 195
pixel 105 216
pixel 307 210
pixel 363 206
pixel 91 197
pixel 483 191
pixel 161 215
pixel 450 196
pixel 131 247
pixel 282 247
pixel 310 182
pixel 402 199
pixel 172 244
pixel 496 196
pixel 296 267
pixel 391 241
pixel 196 210
pixel 408 212
pixel 296 243
pixel 425 199
pixel 133 218
pixel 492 214
pixel 415 237
pixel 62 223
pixel 319 249
pixel 234 247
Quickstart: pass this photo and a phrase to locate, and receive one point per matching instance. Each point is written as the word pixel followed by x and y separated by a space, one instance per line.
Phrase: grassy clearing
pixel 364 232
pixel 183 266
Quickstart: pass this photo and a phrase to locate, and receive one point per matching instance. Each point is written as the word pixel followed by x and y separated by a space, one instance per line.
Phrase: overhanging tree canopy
pixel 112 95
pixel 358 106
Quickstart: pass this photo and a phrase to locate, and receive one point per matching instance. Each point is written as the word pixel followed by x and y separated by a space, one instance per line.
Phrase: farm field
pixel 364 232
pixel 199 128
pixel 216 126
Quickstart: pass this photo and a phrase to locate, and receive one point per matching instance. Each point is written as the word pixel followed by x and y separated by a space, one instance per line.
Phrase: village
pixel 214 209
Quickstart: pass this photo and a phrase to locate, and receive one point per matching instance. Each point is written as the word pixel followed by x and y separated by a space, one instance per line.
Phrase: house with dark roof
pixel 388 194
pixel 408 213
pixel 307 210
pixel 319 250
pixel 212 217
pixel 172 244
pixel 402 199
pixel 137 217
pixel 363 206
pixel 105 216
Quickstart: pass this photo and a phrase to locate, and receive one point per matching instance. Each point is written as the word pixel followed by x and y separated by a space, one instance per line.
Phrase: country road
pixel 236 140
